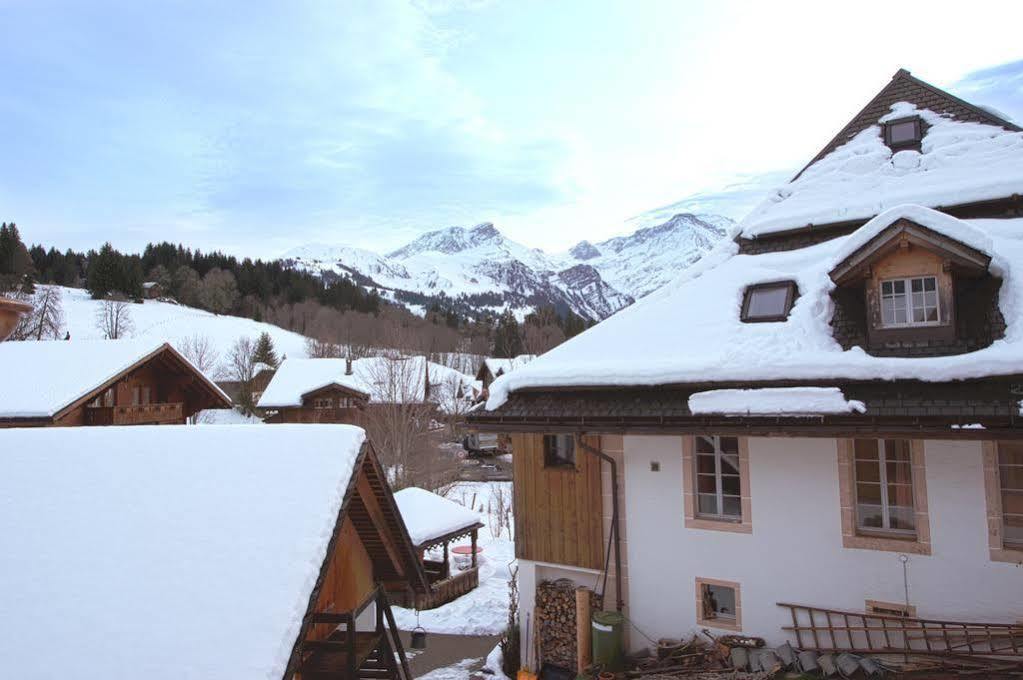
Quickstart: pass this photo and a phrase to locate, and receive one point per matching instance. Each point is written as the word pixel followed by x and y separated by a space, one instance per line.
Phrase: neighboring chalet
pixel 101 382
pixel 200 552
pixel 434 522
pixel 492 368
pixel 824 411
pixel 151 290
pixel 340 390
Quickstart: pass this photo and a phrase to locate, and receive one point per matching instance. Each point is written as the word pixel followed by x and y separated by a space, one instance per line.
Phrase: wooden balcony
pixel 143 414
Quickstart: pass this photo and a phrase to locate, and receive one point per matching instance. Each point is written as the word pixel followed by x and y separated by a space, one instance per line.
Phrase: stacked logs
pixel 556 624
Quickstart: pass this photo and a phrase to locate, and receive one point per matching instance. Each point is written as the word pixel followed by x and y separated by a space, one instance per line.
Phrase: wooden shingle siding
pixel 558 512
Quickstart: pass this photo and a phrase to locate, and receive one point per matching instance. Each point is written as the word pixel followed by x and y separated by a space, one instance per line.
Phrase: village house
pixel 492 368
pixel 101 382
pixel 330 390
pixel 824 411
pixel 433 523
pixel 200 552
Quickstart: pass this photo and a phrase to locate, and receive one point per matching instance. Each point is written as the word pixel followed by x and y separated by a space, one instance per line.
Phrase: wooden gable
pixel 369 547
pixel 903 87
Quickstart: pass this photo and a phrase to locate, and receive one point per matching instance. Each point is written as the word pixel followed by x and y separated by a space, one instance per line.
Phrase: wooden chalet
pixel 180 566
pixel 827 412
pixel 110 382
pixel 492 368
pixel 435 522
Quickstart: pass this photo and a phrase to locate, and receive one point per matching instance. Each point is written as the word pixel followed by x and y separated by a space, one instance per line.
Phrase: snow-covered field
pixel 174 323
pixel 484 611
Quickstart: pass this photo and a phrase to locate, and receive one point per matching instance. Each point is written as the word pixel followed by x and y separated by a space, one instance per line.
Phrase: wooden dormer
pixel 912 291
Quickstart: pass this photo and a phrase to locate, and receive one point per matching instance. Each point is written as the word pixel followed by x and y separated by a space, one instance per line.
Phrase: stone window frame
pixel 722 624
pixel 692 521
pixel 993 495
pixel 855 539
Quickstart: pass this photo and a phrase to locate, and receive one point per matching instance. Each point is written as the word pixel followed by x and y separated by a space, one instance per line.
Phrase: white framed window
pixel 323 403
pixel 883 472
pixel 910 302
pixel 718 480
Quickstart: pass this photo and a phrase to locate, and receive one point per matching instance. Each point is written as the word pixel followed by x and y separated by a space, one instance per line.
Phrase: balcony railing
pixel 143 414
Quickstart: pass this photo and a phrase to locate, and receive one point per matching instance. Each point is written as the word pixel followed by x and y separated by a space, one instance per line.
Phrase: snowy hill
pixel 482 269
pixel 174 323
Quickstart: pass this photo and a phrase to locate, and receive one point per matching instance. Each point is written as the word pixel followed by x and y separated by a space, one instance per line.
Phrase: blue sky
pixel 255 126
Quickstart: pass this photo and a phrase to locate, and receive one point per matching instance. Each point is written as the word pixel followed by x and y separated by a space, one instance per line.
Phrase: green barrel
pixel 608 641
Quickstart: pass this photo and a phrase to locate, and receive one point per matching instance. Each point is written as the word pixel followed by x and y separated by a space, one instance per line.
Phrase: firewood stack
pixel 555 617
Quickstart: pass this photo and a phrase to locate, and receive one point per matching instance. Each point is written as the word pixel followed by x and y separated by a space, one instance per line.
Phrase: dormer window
pixel 904 133
pixel 768 301
pixel 910 302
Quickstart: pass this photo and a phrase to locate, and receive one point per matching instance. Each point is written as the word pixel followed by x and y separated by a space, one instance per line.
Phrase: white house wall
pixel 795 551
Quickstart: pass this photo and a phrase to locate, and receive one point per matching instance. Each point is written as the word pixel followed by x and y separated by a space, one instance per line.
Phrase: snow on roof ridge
pixel 689 331
pixel 959 162
pixel 934 220
pixel 779 401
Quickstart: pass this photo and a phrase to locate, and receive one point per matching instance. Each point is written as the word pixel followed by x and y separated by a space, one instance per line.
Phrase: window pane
pixel 1010 453
pixel 729 444
pixel 732 506
pixel 886 288
pixel 1012 502
pixel 706 484
pixel 868 471
pixel 917 285
pixel 705 463
pixel 901 133
pixel 888 311
pixel 1013 532
pixel 768 301
pixel 899 287
pixel 901 517
pixel 900 494
pixel 1011 476
pixel 707 504
pixel 868 493
pixel 729 464
pixel 896 450
pixel 866 449
pixel 730 484
pixel 868 516
pixel 719 601
pixel 704 445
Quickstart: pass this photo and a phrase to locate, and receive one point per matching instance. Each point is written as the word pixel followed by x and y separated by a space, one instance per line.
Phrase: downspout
pixel 620 604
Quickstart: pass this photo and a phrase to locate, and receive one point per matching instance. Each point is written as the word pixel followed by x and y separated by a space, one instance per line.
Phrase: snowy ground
pixel 174 323
pixel 484 611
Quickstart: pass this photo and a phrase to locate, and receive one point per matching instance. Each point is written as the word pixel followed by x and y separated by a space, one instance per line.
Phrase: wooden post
pixel 584 649
pixel 447 568
pixel 473 548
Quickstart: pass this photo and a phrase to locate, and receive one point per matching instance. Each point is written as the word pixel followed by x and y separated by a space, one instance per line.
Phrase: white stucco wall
pixel 795 552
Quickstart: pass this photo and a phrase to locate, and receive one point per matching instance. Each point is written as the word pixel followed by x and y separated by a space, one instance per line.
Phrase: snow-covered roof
pixel 42 378
pixel 297 377
pixel 958 162
pixel 381 379
pixel 175 551
pixel 690 330
pixel 429 516
pixel 496 365
pixel 779 401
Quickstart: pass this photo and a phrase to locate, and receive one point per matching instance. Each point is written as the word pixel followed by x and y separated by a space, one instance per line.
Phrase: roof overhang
pixel 906 233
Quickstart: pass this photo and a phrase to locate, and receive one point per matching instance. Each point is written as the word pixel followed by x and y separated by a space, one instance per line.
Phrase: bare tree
pixel 241 366
pixel 398 420
pixel 219 291
pixel 200 351
pixel 113 317
pixel 320 349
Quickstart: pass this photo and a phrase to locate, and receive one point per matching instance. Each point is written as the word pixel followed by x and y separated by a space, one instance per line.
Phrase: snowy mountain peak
pixel 479 269
pixel 451 240
pixel 584 250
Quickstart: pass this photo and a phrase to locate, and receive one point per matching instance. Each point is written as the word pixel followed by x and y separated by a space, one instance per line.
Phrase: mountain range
pixel 478 269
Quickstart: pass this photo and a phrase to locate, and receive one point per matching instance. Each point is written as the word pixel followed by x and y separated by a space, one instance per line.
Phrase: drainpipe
pixel 620 604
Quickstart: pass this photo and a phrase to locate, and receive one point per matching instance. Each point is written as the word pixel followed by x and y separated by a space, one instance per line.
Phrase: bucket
pixel 608 647
pixel 418 638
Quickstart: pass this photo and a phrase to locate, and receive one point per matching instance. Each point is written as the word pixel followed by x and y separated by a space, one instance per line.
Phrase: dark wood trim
pixel 790 297
pixel 450 536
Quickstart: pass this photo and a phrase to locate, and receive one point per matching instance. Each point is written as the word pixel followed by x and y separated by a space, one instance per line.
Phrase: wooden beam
pixel 376 515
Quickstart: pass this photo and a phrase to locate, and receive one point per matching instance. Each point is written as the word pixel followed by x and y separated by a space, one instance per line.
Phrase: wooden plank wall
pixel 558 512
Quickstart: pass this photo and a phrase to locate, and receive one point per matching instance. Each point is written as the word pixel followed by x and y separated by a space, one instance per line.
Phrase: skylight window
pixel 905 133
pixel 768 301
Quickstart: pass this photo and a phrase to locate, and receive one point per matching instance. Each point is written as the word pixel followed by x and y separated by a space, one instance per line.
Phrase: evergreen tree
pixel 507 338
pixel 15 260
pixel 103 273
pixel 265 352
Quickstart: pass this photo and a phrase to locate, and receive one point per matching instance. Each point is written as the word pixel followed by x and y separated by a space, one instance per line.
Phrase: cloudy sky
pixel 256 126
